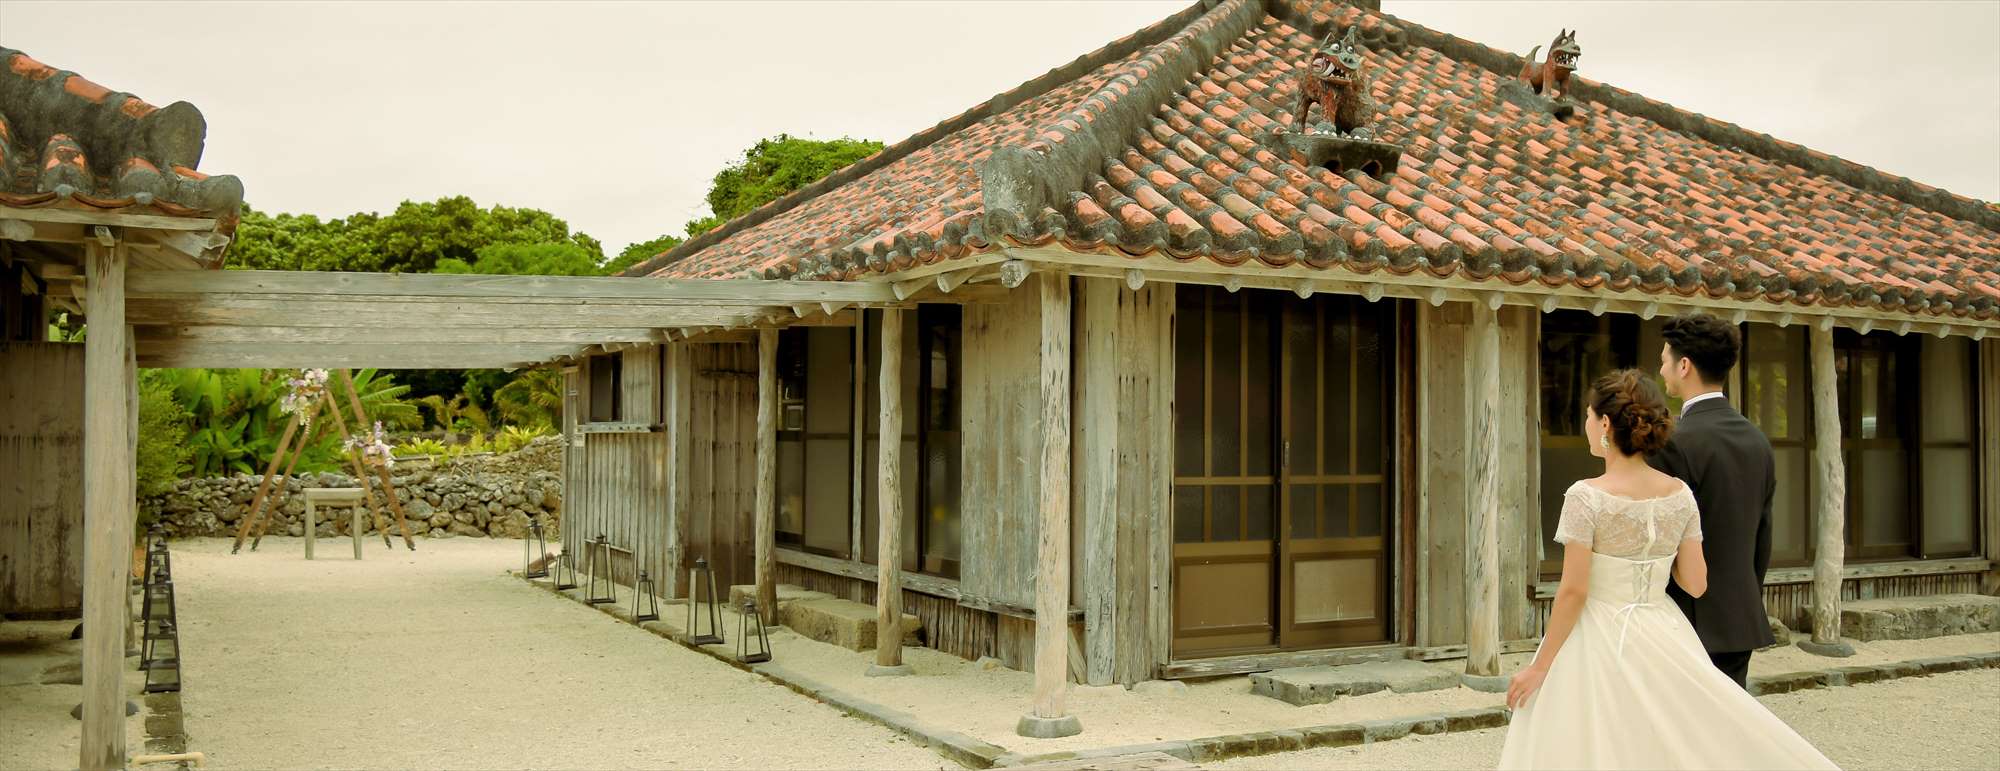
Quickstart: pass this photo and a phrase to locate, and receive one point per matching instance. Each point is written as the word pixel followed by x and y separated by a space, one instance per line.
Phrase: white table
pixel 333 497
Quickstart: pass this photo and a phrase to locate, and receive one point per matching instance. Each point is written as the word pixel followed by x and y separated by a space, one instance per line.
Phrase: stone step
pixel 845 623
pixel 1913 618
pixel 787 594
pixel 1322 684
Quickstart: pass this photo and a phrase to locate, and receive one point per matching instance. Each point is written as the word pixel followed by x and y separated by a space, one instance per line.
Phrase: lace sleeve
pixel 1575 525
pixel 1693 530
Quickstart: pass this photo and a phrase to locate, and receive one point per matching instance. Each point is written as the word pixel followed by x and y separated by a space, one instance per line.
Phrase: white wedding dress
pixel 1632 687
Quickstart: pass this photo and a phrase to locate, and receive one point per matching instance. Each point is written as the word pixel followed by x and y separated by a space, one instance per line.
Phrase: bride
pixel 1621 680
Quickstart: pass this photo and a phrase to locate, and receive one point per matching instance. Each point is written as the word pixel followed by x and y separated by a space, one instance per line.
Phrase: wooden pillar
pixel 767 473
pixel 889 499
pixel 1049 719
pixel 1830 510
pixel 1988 456
pixel 108 461
pixel 1482 553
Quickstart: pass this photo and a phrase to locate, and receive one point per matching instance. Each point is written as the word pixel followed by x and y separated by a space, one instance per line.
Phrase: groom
pixel 1727 462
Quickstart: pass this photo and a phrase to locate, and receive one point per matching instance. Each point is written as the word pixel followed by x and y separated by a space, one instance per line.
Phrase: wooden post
pixel 1988 456
pixel 108 463
pixel 1049 719
pixel 889 500
pixel 1482 552
pixel 767 473
pixel 1831 509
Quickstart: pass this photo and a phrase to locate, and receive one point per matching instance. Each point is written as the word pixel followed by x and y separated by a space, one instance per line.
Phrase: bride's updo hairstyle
pixel 1640 423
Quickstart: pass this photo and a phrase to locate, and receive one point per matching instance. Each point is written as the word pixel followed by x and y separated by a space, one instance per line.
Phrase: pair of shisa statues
pixel 1334 80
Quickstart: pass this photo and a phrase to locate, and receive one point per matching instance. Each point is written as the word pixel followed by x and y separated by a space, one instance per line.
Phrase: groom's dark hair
pixel 1706 341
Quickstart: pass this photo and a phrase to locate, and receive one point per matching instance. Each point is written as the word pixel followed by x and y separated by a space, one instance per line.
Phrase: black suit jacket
pixel 1727 462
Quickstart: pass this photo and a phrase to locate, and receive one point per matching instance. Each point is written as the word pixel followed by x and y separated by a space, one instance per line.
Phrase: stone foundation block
pixel 845 623
pixel 1322 684
pixel 1915 618
pixel 787 594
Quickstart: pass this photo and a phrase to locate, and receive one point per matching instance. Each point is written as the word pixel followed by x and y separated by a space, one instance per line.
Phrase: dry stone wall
pixel 493 496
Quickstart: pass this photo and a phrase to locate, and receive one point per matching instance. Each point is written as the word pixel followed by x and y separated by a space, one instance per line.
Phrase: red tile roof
pixel 68 142
pixel 1151 146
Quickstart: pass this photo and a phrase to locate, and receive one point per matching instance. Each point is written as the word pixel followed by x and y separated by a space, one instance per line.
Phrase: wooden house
pixel 1168 400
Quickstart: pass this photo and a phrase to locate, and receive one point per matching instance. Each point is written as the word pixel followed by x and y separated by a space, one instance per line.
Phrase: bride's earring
pixel 1604 441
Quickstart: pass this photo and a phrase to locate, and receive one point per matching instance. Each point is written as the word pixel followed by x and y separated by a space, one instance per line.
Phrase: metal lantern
pixel 600 568
pixel 161 644
pixel 163 661
pixel 565 572
pixel 642 597
pixel 540 546
pixel 699 577
pixel 744 625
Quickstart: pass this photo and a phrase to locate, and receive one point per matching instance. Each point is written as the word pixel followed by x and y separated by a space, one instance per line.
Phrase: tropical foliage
pixel 163 424
pixel 235 417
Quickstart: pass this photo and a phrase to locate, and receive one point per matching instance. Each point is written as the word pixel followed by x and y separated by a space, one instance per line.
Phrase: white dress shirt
pixel 1699 398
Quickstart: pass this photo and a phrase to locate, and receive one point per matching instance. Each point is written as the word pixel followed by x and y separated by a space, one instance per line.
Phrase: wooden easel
pixel 265 490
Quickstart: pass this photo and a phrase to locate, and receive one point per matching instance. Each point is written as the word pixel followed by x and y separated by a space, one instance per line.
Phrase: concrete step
pixel 1322 684
pixel 1914 618
pixel 845 623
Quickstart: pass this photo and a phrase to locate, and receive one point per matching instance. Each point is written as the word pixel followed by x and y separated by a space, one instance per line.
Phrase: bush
pixel 163 430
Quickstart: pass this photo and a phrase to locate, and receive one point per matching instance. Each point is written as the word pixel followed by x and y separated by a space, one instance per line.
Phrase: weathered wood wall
pixel 1000 464
pixel 722 455
pixel 1444 358
pixel 41 477
pixel 1123 477
pixel 964 632
pixel 615 482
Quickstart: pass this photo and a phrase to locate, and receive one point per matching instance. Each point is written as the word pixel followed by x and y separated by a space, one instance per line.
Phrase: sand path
pixel 439 659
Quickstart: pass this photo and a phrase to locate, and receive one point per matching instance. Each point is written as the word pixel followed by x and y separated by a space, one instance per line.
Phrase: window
pixel 816 439
pixel 1576 349
pixel 1777 385
pixel 932 353
pixel 1907 441
pixel 606 388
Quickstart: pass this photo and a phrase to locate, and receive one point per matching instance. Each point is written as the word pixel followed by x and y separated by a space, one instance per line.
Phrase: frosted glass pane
pixel 830 498
pixel 1791 507
pixel 1946 405
pixel 1949 512
pixel 1885 500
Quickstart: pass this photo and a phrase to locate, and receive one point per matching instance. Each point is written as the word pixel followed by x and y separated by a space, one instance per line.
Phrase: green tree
pixel 773 167
pixel 640 252
pixel 526 260
pixel 412 239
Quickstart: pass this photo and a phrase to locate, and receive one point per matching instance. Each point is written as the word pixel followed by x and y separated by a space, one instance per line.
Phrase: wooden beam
pixel 495 335
pixel 387 312
pixel 889 502
pixel 1050 719
pixel 1988 455
pixel 767 474
pixel 108 462
pixel 117 219
pixel 1012 273
pixel 508 288
pixel 1830 510
pixel 1482 553
pixel 183 353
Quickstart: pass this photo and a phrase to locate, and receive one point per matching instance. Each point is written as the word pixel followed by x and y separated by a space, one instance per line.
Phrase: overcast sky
pixel 615 115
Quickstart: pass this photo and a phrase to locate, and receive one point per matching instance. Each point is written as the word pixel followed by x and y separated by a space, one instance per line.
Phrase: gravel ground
pixel 36 730
pixel 1943 721
pixel 439 659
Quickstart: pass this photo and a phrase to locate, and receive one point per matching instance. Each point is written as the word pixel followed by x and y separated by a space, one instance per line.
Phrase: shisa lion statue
pixel 1334 81
pixel 1550 77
